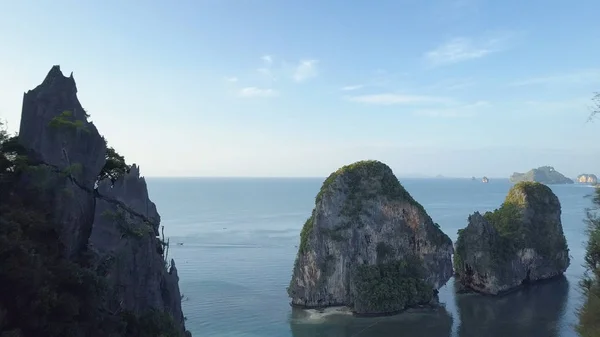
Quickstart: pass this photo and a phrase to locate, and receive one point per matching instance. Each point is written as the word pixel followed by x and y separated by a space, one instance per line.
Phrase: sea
pixel 234 241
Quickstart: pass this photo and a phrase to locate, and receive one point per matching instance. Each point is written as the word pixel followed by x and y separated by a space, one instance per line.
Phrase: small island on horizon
pixel 543 174
pixel 587 178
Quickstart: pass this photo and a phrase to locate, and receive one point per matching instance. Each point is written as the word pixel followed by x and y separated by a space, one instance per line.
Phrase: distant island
pixel 586 178
pixel 543 174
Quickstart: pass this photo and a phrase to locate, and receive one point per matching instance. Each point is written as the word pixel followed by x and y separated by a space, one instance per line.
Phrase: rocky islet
pixel 519 243
pixel 370 246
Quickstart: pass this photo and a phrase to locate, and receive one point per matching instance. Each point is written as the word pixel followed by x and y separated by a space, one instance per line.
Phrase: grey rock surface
pixel 520 243
pixel 363 216
pixel 116 222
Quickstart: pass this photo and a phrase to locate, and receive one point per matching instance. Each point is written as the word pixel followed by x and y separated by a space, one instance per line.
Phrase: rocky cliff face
pixel 543 174
pixel 369 245
pixel 519 243
pixel 114 223
pixel 586 178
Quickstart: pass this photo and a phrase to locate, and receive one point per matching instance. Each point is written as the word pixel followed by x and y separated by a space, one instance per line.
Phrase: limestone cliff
pixel 587 178
pixel 543 174
pixel 369 245
pixel 519 243
pixel 113 226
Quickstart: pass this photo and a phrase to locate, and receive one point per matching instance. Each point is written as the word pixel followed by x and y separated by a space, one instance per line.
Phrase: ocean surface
pixel 239 243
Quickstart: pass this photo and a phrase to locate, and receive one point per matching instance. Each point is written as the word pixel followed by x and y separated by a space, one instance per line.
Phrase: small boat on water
pixel 485 180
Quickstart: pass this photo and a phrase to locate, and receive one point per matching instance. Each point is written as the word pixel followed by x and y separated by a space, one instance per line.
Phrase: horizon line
pixel 305 177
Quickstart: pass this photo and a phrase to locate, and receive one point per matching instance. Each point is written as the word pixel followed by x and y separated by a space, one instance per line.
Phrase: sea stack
pixel 369 245
pixel 519 243
pixel 108 230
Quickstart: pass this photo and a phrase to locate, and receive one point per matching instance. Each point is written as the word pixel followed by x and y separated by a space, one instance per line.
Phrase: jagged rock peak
pixel 518 243
pixel 113 228
pixel 365 223
pixel 55 130
pixel 56 77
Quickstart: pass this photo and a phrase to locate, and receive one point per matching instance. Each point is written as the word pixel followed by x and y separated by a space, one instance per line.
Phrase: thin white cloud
pixel 252 92
pixel 452 84
pixel 462 49
pixel 456 111
pixel 352 87
pixel 268 59
pixel 231 79
pixel 394 99
pixel 584 76
pixel 267 73
pixel 305 69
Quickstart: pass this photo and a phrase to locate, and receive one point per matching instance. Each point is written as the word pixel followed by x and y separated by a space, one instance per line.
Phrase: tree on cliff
pixel 115 165
pixel 43 293
pixel 589 314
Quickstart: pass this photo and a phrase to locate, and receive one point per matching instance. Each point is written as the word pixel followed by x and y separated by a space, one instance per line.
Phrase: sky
pixel 278 88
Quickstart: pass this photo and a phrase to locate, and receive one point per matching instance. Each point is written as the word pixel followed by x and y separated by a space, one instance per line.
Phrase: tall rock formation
pixel 369 245
pixel 519 243
pixel 113 223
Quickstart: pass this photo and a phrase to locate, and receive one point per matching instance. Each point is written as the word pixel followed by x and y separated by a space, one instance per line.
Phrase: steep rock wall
pixel 369 245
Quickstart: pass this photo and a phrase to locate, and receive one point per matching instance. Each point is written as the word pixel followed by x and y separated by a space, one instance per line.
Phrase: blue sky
pixel 299 88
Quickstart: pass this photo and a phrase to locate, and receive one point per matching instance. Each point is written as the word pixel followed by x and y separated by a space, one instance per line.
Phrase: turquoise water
pixel 239 238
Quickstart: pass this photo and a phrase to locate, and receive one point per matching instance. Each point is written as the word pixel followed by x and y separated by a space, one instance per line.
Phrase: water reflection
pixel 435 323
pixel 533 312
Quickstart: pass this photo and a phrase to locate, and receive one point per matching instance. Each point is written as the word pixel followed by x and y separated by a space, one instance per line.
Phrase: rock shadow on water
pixel 533 311
pixel 339 322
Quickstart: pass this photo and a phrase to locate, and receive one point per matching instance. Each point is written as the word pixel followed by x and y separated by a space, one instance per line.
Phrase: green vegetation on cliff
pixel 355 173
pixel 43 293
pixel 366 179
pixel 589 313
pixel 305 232
pixel 390 287
pixel 513 235
pixel 543 174
pixel 66 121
pixel 115 165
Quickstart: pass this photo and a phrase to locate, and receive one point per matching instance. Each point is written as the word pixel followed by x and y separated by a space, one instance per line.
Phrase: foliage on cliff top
pixel 45 294
pixel 358 172
pixel 543 174
pixel 357 177
pixel 528 192
pixel 508 218
pixel 508 221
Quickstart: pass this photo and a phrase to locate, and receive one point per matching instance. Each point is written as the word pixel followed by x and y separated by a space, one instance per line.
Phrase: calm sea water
pixel 239 238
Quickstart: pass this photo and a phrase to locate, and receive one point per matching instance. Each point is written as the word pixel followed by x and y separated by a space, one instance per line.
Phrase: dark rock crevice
pixel 94 193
